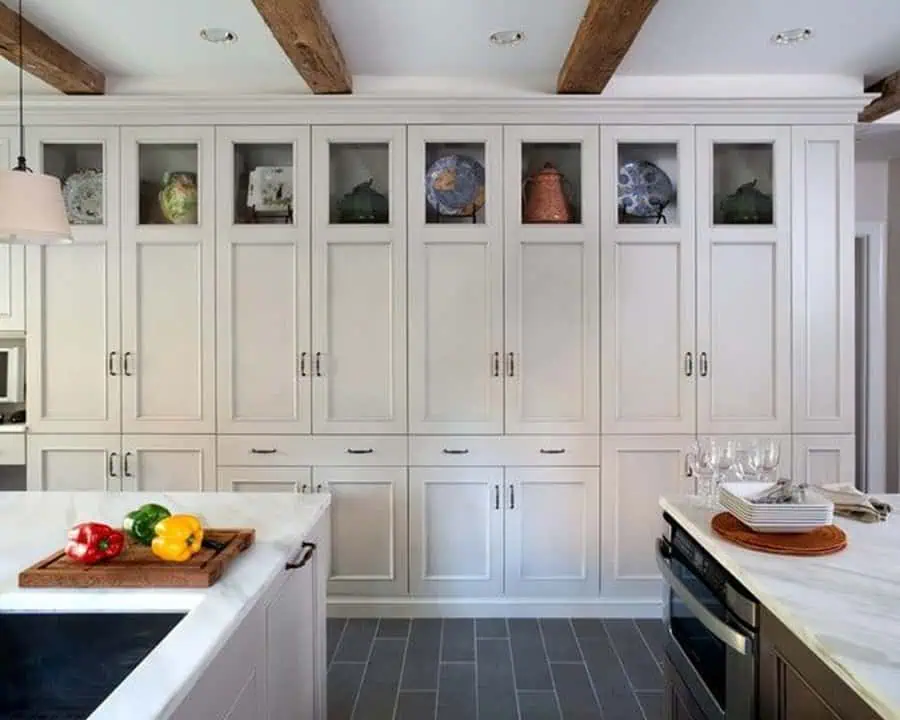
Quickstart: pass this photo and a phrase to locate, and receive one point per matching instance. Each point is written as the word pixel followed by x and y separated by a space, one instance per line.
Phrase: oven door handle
pixel 737 641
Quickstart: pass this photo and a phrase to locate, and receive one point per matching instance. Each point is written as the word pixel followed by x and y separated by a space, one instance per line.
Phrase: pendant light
pixel 32 211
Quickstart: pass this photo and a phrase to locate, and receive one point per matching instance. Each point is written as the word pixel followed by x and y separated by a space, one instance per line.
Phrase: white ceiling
pixel 153 45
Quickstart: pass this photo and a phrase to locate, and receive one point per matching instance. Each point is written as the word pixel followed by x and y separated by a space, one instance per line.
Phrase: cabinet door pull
pixel 688 470
pixel 306 552
pixel 263 451
pixel 111 363
pixel 496 364
pixel 451 451
pixel 125 471
pixel 496 497
pixel 511 364
pixel 126 365
pixel 688 364
pixel 303 364
pixel 552 451
pixel 111 465
pixel 318 364
pixel 319 488
pixel 363 451
pixel 704 365
pixel 304 488
pixel 512 496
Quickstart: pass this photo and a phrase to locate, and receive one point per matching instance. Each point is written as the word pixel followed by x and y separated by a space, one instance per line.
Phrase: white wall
pixel 872 191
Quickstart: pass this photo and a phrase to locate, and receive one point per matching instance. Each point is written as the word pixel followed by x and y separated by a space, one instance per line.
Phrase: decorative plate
pixel 644 189
pixel 83 196
pixel 271 188
pixel 454 185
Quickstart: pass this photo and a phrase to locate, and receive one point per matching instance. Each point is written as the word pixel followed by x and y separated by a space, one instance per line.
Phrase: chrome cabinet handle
pixel 496 497
pixel 318 364
pixel 355 451
pixel 688 364
pixel 306 552
pixel 126 366
pixel 496 364
pixel 704 365
pixel 111 363
pixel 263 451
pixel 511 364
pixel 125 471
pixel 512 496
pixel 303 364
pixel 111 465
pixel 461 451
pixel 552 451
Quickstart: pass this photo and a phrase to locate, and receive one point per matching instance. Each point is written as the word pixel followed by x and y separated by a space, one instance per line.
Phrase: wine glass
pixel 701 462
pixel 770 457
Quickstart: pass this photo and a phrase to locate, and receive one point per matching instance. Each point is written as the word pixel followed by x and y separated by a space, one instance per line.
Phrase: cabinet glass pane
pixel 454 180
pixel 359 183
pixel 79 167
pixel 263 183
pixel 168 183
pixel 647 191
pixel 551 182
pixel 743 183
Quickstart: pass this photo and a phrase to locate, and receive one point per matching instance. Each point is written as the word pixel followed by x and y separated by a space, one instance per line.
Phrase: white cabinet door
pixel 74 462
pixel 359 289
pixel 743 282
pixel 368 529
pixel 177 463
pixel 263 343
pixel 456 293
pixel 648 304
pixel 12 265
pixel 823 263
pixel 168 286
pixel 824 459
pixel 456 531
pixel 636 471
pixel 256 479
pixel 552 532
pixel 73 314
pixel 552 290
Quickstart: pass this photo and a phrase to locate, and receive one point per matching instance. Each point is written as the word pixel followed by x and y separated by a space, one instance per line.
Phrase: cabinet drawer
pixel 305 450
pixel 490 451
pixel 12 449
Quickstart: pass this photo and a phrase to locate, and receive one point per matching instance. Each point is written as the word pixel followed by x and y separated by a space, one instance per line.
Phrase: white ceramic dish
pixel 781 518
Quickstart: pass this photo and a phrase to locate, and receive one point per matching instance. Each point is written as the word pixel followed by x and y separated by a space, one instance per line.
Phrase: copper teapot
pixel 545 197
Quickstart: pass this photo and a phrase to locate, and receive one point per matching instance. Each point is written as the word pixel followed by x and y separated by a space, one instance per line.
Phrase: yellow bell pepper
pixel 177 537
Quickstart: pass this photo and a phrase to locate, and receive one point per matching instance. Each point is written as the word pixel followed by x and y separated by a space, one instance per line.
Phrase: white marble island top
pixel 844 607
pixel 34 525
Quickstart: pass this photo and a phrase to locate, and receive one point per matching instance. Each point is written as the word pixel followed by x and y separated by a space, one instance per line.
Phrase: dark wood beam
pixel 303 32
pixel 889 101
pixel 603 37
pixel 46 59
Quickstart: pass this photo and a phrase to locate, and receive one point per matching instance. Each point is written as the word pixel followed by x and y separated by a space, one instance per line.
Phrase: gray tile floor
pixel 494 669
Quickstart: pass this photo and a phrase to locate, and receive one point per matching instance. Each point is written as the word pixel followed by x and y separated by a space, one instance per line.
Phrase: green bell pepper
pixel 140 524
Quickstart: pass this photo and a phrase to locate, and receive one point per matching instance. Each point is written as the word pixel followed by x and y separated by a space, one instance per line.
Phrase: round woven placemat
pixel 821 541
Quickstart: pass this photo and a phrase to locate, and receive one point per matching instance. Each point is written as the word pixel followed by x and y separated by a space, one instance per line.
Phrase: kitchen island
pixel 252 646
pixel 840 615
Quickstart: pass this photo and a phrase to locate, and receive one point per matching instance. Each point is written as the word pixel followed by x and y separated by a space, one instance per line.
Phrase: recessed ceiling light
pixel 220 36
pixel 508 37
pixel 791 37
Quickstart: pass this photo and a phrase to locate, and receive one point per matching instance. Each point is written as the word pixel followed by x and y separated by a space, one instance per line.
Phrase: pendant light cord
pixel 21 160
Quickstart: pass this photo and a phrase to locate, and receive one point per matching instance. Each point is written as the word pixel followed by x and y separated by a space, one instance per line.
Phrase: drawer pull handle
pixel 511 367
pixel 319 488
pixel 496 364
pixel 304 488
pixel 126 364
pixel 704 365
pixel 355 451
pixel 126 470
pixel 496 497
pixel 512 496
pixel 112 464
pixel 303 364
pixel 450 451
pixel 306 552
pixel 318 365
pixel 263 451
pixel 553 451
pixel 111 364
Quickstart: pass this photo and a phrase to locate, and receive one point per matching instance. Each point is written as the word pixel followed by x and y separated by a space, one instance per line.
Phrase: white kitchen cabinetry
pixel 743 282
pixel 264 314
pixel 648 285
pixel 824 459
pixel 823 264
pixel 12 263
pixel 254 479
pixel 74 373
pixel 168 285
pixel 636 471
pixel 358 282
pixel 147 463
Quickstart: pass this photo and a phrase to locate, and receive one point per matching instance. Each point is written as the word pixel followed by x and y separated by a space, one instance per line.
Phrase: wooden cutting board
pixel 138 567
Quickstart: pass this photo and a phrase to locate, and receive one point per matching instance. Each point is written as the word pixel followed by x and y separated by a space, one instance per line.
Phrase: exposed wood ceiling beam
pixel 304 34
pixel 603 37
pixel 46 59
pixel 886 104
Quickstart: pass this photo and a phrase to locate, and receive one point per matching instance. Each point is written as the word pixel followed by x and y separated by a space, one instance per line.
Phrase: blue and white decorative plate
pixel 644 189
pixel 454 185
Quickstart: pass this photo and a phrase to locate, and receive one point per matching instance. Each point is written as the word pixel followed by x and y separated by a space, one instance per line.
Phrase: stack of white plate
pixel 815 511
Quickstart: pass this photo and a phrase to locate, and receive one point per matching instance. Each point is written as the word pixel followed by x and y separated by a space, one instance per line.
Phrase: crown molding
pixel 373 109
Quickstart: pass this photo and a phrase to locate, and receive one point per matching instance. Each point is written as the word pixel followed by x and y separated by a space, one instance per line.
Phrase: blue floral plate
pixel 644 189
pixel 454 185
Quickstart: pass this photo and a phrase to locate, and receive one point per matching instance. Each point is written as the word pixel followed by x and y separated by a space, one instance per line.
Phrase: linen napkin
pixel 852 503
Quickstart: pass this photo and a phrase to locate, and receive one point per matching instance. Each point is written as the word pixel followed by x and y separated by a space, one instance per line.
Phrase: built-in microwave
pixel 12 374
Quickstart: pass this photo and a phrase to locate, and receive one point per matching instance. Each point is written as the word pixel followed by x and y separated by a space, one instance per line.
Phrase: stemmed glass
pixel 702 462
pixel 763 457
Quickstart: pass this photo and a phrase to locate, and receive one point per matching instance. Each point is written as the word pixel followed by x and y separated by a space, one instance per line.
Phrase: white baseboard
pixel 344 606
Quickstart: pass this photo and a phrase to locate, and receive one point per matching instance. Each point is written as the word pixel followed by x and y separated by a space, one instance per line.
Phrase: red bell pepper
pixel 92 542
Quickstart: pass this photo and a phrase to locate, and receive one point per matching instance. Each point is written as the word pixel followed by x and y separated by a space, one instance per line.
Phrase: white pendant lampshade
pixel 32 211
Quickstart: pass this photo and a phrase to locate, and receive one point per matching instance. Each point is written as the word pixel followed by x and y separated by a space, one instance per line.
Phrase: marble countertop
pixel 36 523
pixel 844 607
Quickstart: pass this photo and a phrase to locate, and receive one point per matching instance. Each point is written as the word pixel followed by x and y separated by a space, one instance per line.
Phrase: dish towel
pixel 852 503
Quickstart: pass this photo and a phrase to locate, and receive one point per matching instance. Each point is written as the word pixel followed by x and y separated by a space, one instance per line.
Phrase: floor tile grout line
pixel 512 669
pixel 402 668
pixel 640 632
pixel 437 684
pixel 649 652
pixel 365 672
pixel 337 645
pixel 587 670
pixel 612 644
pixel 540 630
